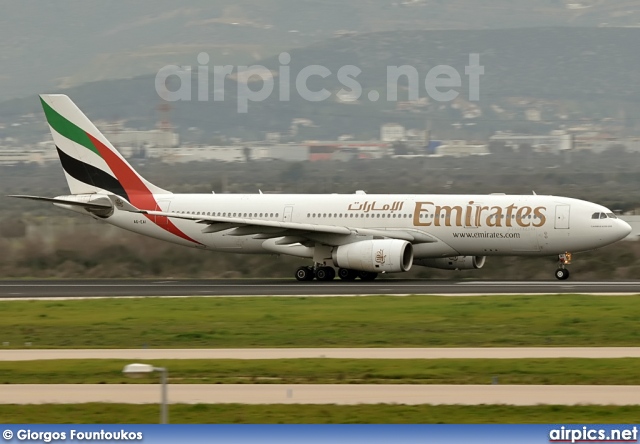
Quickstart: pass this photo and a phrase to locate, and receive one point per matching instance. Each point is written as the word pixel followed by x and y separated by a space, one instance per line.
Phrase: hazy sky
pixel 51 45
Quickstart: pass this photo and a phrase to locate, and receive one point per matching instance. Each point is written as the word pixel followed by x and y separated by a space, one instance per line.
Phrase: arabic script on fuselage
pixel 367 207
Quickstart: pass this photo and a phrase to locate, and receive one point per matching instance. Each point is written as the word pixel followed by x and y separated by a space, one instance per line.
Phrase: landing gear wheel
pixel 304 274
pixel 368 276
pixel 347 275
pixel 562 274
pixel 325 274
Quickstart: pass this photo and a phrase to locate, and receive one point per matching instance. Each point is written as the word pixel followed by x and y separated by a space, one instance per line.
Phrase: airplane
pixel 362 235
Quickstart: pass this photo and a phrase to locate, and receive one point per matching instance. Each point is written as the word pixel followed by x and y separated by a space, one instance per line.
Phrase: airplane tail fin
pixel 91 164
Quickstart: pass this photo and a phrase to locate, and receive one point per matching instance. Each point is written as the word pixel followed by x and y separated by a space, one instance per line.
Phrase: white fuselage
pixel 481 225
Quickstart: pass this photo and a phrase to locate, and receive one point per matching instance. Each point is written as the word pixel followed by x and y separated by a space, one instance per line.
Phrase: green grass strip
pixel 314 414
pixel 335 371
pixel 417 321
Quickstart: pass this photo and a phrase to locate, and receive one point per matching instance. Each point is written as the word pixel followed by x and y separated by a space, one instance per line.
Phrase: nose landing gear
pixel 562 273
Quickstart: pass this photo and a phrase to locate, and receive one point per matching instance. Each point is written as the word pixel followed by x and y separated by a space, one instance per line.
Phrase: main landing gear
pixel 329 273
pixel 562 273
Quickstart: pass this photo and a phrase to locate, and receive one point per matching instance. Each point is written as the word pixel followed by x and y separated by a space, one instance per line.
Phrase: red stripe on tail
pixel 138 192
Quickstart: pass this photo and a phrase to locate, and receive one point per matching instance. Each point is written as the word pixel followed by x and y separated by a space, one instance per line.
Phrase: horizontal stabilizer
pixel 95 204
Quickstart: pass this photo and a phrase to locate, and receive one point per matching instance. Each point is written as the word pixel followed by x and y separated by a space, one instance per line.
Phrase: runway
pixel 21 289
pixel 329 353
pixel 343 394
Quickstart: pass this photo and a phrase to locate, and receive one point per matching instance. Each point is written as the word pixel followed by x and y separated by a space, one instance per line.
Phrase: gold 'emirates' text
pixel 476 215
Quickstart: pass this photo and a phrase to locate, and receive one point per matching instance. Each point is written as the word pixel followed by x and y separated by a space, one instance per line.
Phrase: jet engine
pixel 390 255
pixel 454 263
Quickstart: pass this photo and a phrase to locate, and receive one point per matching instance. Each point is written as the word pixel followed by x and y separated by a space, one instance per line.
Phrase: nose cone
pixel 623 228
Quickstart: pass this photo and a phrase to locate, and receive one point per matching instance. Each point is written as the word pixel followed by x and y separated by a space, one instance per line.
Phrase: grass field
pixel 313 414
pixel 416 321
pixel 336 371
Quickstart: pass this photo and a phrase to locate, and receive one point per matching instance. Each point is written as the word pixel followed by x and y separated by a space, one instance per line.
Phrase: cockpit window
pixel 603 216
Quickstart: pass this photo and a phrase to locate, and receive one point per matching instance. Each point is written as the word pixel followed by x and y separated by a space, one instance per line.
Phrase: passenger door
pixel 562 217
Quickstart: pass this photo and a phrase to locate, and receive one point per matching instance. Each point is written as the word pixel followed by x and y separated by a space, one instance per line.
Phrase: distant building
pixel 462 148
pixel 392 132
pixel 555 142
pixel 39 155
pixel 533 115
pixel 347 97
pixel 272 137
pixel 418 135
pixel 595 141
pixel 321 152
pixel 285 152
pixel 130 141
pixel 288 152
pixel 346 149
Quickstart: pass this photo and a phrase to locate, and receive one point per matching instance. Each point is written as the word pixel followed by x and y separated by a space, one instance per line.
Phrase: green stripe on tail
pixel 67 129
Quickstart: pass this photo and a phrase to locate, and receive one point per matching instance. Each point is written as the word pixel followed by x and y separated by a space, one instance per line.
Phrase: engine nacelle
pixel 376 256
pixel 454 263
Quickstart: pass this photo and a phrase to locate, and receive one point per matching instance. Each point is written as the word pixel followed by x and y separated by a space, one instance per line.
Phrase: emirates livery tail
pixel 91 164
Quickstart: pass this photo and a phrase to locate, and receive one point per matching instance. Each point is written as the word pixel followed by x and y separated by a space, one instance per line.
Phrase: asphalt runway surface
pixel 19 289
pixel 344 394
pixel 329 353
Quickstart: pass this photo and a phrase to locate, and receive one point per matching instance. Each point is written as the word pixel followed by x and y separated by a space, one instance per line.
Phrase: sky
pixel 48 46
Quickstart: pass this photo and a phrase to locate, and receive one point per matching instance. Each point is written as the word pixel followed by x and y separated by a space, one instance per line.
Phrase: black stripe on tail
pixel 90 175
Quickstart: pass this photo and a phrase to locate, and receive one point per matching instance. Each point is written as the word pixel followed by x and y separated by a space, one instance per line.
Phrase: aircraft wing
pixel 268 229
